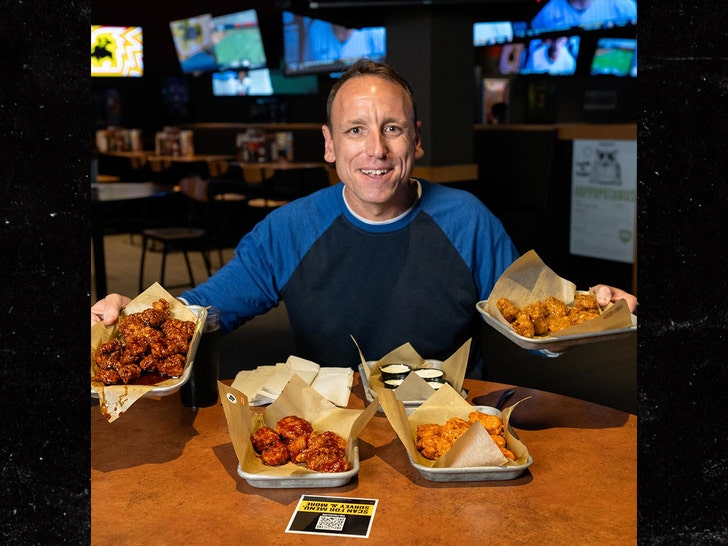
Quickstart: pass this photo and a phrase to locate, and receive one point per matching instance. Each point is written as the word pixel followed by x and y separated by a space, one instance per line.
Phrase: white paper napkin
pixel 334 384
pixel 264 384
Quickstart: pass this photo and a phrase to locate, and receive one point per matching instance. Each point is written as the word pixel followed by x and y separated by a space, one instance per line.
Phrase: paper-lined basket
pixel 299 399
pixel 474 456
pixel 528 280
pixel 114 400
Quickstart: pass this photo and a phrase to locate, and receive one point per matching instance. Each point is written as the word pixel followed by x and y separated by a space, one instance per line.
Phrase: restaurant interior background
pixel 520 167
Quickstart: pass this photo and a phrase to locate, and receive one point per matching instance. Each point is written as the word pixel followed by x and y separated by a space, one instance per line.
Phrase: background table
pixel 103 198
pixel 163 473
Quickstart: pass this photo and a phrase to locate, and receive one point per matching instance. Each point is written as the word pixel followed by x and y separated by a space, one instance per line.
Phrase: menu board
pixel 604 199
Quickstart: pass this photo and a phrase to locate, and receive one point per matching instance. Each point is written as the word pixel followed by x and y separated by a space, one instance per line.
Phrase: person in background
pixel 382 257
pixel 561 14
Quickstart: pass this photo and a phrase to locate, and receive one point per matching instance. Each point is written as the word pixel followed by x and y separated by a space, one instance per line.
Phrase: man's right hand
pixel 107 309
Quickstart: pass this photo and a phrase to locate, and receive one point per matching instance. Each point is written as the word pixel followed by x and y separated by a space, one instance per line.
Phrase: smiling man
pixel 381 257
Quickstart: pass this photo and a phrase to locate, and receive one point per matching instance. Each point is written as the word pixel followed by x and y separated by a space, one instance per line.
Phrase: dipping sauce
pixel 392 383
pixel 429 374
pixel 395 371
pixel 436 383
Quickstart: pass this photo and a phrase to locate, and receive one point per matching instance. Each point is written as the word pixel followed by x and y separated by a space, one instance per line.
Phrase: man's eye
pixel 392 129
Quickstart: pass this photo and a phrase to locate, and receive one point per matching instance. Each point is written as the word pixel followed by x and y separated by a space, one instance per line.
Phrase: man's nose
pixel 376 145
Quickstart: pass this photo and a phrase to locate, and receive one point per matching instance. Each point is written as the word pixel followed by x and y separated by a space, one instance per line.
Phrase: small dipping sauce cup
pixel 430 374
pixel 392 383
pixel 436 383
pixel 395 371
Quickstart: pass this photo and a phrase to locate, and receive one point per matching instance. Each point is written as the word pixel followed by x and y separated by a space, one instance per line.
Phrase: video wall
pixel 599 40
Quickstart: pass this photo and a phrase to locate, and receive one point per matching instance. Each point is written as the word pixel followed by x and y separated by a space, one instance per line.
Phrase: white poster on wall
pixel 604 199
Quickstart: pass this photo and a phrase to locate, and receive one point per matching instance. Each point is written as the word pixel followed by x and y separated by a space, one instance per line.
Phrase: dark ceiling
pixel 359 13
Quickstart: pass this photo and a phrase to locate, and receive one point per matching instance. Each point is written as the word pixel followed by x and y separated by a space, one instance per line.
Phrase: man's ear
pixel 419 151
pixel 329 155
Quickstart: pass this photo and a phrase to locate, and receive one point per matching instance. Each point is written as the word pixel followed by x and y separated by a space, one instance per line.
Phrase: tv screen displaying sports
pixel 615 57
pixel 230 83
pixel 558 15
pixel 193 42
pixel 117 51
pixel 211 44
pixel 238 41
pixel 491 33
pixel 554 56
pixel 261 82
pixel 313 46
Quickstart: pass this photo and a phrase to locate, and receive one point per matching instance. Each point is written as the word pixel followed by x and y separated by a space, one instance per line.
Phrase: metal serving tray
pixel 166 390
pixel 471 474
pixel 475 473
pixel 553 341
pixel 408 404
pixel 304 480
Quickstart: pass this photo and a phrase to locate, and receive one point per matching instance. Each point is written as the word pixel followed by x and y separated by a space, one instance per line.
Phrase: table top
pixel 163 473
pixel 180 158
pixel 124 191
pixel 281 165
pixel 190 158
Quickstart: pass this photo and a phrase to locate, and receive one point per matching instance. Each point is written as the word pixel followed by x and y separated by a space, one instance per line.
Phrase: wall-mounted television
pixel 615 57
pixel 491 33
pixel 559 15
pixel 193 42
pixel 227 42
pixel 313 46
pixel 238 41
pixel 117 51
pixel 511 58
pixel 230 83
pixel 554 56
pixel 261 82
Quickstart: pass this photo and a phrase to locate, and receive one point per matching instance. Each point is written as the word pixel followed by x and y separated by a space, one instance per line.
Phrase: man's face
pixel 374 141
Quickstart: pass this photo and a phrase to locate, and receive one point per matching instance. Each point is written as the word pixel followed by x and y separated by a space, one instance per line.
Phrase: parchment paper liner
pixel 297 398
pixel 475 448
pixel 528 280
pixel 414 387
pixel 114 400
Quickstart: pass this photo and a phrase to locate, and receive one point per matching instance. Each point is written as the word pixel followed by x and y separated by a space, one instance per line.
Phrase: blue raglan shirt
pixel 415 280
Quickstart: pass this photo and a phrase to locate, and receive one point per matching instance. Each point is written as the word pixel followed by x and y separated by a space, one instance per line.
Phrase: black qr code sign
pixel 340 516
pixel 330 522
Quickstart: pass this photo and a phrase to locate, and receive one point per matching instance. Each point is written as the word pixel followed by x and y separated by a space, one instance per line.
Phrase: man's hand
pixel 606 294
pixel 107 309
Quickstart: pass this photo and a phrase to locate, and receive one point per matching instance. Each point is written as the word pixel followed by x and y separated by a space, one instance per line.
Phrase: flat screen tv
pixel 615 57
pixel 227 42
pixel 238 41
pixel 491 33
pixel 511 58
pixel 554 56
pixel 193 42
pixel 261 82
pixel 559 15
pixel 312 46
pixel 117 51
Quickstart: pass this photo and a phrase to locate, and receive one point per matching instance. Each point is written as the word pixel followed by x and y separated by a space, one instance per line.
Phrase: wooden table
pixel 163 474
pixel 262 174
pixel 103 198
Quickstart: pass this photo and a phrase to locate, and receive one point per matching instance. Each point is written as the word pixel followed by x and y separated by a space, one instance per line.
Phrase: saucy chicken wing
pixel 149 342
